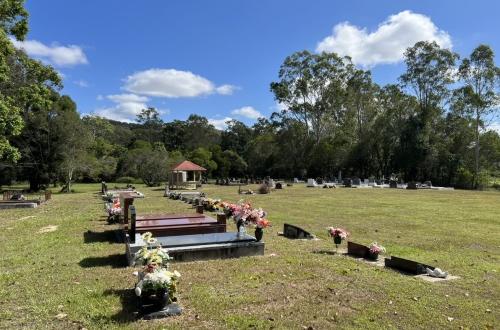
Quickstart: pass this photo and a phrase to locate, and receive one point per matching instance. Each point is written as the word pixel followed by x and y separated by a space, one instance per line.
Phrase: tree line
pixel 430 124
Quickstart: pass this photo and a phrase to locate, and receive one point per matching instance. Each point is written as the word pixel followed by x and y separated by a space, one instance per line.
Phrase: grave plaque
pixel 291 231
pixel 393 184
pixel 348 183
pixel 357 250
pixel 406 265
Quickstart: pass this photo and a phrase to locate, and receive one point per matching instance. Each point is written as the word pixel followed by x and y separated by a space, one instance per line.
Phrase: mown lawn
pixel 78 272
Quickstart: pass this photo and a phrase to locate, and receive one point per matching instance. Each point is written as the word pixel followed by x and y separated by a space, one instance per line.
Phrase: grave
pixel 11 202
pixel 348 183
pixel 203 246
pixel 18 204
pixel 294 232
pixel 406 265
pixel 312 183
pixel 412 185
pixel 357 250
pixel 173 224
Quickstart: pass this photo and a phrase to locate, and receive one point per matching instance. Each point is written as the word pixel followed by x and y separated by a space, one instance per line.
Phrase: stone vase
pixel 372 256
pixel 259 233
pixel 337 240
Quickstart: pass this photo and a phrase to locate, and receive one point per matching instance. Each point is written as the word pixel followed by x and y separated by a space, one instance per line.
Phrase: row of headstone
pixel 231 181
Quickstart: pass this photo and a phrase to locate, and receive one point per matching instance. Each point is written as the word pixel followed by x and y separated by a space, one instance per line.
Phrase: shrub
pixel 264 189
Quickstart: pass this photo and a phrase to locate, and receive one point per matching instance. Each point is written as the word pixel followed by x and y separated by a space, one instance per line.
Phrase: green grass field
pixel 75 277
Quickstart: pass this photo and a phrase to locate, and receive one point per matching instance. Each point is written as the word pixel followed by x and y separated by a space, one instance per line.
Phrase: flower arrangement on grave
pixel 114 210
pixel 243 215
pixel 156 283
pixel 374 250
pixel 211 204
pixel 338 235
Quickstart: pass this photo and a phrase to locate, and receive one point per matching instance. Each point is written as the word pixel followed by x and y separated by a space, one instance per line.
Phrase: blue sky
pixel 217 58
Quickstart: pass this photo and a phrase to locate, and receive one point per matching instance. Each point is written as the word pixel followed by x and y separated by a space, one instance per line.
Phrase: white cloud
pixel 226 89
pixel 248 112
pixel 61 56
pixel 386 44
pixel 172 83
pixel 127 98
pixel 126 108
pixel 220 123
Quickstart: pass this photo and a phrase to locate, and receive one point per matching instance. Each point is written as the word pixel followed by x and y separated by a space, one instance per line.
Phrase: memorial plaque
pixel 294 232
pixel 357 250
pixel 405 265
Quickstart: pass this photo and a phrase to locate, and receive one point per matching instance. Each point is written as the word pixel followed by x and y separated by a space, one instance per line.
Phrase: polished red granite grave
pixel 175 224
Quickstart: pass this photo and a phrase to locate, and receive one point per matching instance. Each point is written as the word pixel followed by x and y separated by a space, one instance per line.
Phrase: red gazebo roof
pixel 188 166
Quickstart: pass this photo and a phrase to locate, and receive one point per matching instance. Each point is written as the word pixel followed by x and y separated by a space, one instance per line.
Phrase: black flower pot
pixel 372 256
pixel 154 300
pixel 258 233
pixel 337 240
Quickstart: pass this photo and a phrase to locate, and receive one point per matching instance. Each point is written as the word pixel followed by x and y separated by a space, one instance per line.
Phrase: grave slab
pixel 18 205
pixel 203 246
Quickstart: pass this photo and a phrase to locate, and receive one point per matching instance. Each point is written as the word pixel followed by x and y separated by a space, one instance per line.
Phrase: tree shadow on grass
pixel 110 236
pixel 114 260
pixel 129 310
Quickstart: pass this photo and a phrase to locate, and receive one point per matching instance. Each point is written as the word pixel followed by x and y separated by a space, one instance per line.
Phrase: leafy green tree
pixel 236 137
pixel 203 157
pixel 98 127
pixel 151 124
pixel 152 166
pixel 479 97
pixel 14 18
pixel 174 135
pixel 312 88
pixel 199 133
pixel 429 72
pixel 74 142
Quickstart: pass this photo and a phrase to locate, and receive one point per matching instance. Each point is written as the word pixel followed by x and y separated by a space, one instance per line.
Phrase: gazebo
pixel 185 175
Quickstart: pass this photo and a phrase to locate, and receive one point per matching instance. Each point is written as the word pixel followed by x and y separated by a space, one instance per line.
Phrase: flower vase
pixel 155 300
pixel 337 240
pixel 258 233
pixel 372 256
pixel 239 224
